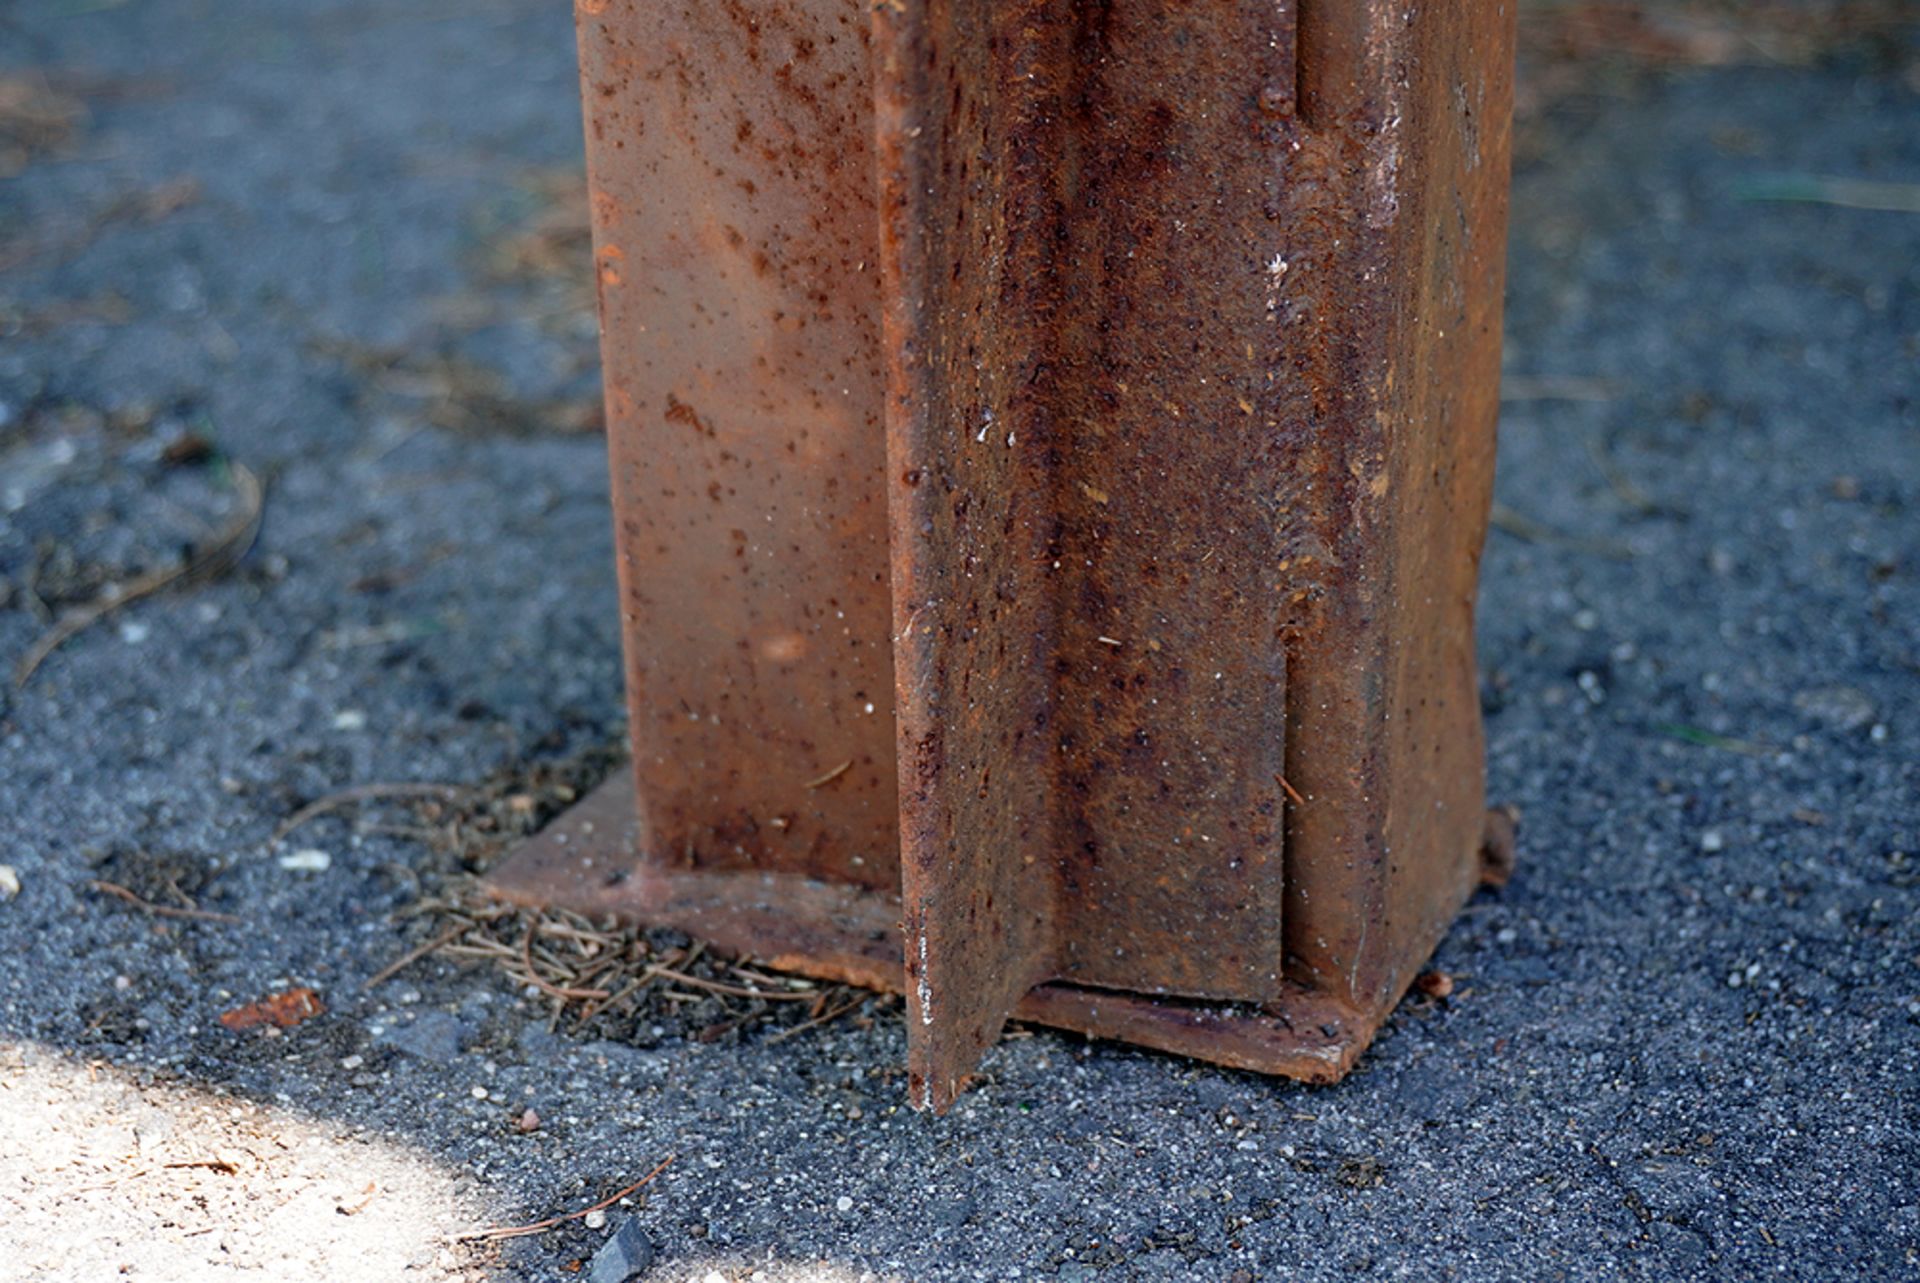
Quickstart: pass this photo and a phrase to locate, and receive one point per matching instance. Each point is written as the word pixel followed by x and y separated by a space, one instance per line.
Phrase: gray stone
pixel 437 1036
pixel 951 1213
pixel 622 1256
pixel 1844 708
pixel 1682 1248
pixel 1674 1186
pixel 538 1042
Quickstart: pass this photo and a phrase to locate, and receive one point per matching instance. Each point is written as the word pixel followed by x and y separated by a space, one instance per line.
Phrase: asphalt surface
pixel 1683 1043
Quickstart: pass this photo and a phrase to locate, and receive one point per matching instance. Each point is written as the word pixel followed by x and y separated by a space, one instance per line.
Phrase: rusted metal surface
pixel 732 201
pixel 1088 408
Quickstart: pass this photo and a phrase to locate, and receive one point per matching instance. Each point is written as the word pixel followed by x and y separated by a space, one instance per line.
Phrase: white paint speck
pixel 925 990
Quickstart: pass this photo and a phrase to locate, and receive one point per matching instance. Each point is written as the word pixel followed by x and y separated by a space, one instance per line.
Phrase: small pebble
pixel 1712 840
pixel 623 1256
pixel 349 719
pixel 595 1220
pixel 1843 708
pixel 307 860
pixel 529 1121
pixel 133 632
pixel 477 1092
pixel 9 882
pixel 435 1036
pixel 353 1062
pixel 843 1204
pixel 952 1212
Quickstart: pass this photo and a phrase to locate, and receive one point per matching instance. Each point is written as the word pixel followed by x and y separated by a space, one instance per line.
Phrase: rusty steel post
pixel 1052 447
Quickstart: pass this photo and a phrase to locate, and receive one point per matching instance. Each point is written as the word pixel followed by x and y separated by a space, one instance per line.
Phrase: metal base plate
pixel 588 862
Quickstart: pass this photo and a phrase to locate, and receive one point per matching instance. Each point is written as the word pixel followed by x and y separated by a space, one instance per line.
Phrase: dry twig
pixel 825 1018
pixel 119 892
pixel 356 794
pixel 412 956
pixel 1521 526
pixel 215 558
pixel 541 982
pixel 541 1227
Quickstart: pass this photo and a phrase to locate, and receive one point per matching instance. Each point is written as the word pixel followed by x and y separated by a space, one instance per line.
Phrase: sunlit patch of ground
pixel 103 1176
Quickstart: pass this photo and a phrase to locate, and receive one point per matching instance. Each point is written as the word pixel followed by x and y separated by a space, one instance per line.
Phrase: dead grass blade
pixel 541 1227
pixel 356 795
pixel 209 561
pixel 145 905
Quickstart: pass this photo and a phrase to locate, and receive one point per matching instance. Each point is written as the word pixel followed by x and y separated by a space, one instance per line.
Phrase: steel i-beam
pixel 1052 447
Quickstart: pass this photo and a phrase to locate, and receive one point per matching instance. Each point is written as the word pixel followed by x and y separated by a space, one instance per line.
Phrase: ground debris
pixel 457 394
pixel 621 980
pixel 282 1010
pixel 119 892
pixel 142 205
pixel 209 560
pixel 36 119
pixel 1365 1172
pixel 553 244
pixel 468 826
pixel 541 1227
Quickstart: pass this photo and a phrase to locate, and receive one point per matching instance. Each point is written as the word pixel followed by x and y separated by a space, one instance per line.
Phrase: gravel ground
pixel 310 238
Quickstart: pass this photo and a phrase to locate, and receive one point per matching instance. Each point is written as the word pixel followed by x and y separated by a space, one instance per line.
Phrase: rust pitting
pixel 1062 434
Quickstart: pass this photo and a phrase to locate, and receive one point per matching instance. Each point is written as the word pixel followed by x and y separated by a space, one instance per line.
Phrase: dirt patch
pixel 109 1174
pixel 602 979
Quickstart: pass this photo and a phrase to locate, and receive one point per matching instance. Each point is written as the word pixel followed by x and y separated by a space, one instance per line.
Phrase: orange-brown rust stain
pixel 731 164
